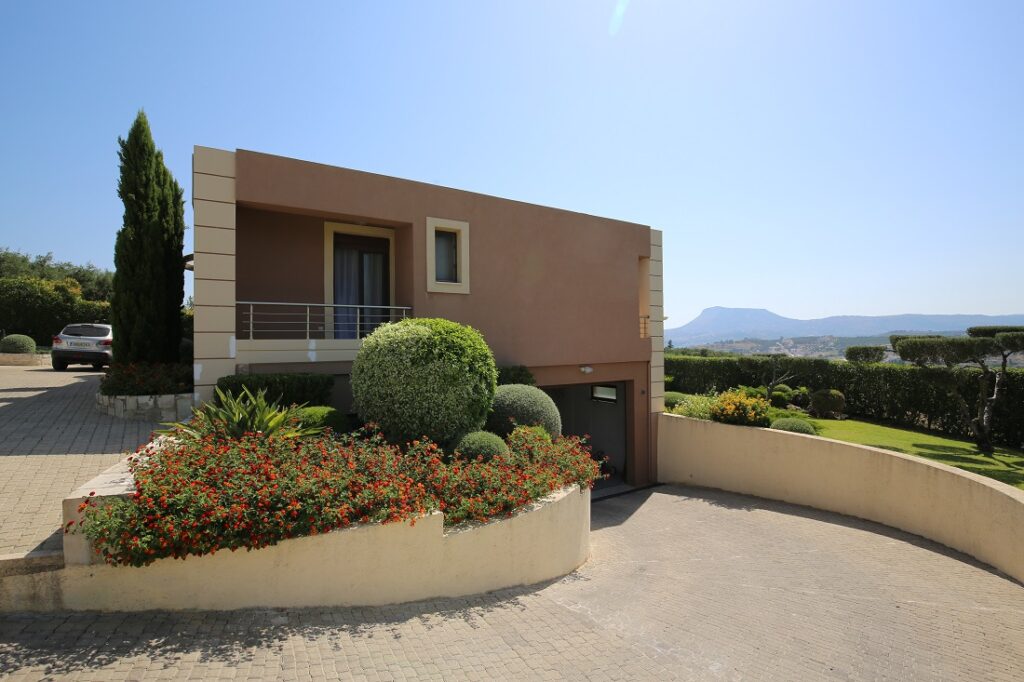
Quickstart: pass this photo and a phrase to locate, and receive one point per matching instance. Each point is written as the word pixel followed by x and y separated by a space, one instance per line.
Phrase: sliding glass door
pixel 361 285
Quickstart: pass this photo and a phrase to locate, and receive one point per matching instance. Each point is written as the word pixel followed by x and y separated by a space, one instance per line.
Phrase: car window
pixel 85 330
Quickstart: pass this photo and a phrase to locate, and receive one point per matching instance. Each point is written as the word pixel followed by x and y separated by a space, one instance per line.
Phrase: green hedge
pixel 286 389
pixel 41 308
pixel 888 392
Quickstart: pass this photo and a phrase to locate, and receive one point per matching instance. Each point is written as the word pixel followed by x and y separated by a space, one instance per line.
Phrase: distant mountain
pixel 729 324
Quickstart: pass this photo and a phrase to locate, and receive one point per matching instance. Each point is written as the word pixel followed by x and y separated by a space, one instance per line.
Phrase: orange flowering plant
pixel 735 407
pixel 197 495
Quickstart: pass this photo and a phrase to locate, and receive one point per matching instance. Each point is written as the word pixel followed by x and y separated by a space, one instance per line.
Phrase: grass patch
pixel 1007 465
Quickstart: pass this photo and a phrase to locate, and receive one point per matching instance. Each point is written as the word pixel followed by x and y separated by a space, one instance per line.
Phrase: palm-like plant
pixel 233 416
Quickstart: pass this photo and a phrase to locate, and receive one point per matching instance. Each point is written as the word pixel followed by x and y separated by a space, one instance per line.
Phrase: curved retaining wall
pixel 973 514
pixel 361 566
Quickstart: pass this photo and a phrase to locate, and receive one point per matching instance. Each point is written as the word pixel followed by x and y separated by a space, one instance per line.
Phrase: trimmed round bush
pixel 828 403
pixel 324 416
pixel 673 398
pixel 780 398
pixel 865 353
pixel 782 388
pixel 424 377
pixel 519 404
pixel 481 443
pixel 17 343
pixel 795 425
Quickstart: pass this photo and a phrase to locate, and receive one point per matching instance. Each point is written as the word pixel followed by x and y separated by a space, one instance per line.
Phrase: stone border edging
pixel 25 359
pixel 975 515
pixel 168 407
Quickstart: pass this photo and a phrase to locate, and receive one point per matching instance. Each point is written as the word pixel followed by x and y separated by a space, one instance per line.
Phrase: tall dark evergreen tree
pixel 149 278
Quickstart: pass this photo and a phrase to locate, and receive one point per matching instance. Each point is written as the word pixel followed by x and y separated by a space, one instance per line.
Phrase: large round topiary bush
pixel 519 404
pixel 481 443
pixel 17 343
pixel 424 377
pixel 827 403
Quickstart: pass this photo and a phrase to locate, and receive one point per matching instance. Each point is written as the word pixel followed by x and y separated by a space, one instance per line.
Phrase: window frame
pixel 461 230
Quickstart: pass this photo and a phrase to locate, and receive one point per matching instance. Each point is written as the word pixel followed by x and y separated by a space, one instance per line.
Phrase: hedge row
pixel 40 308
pixel 286 389
pixel 896 393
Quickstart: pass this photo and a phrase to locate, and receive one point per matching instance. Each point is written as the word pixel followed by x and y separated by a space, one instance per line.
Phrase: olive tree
pixel 988 348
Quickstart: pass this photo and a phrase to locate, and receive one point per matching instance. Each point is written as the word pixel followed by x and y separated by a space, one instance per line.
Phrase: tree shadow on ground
pixel 749 503
pixel 65 643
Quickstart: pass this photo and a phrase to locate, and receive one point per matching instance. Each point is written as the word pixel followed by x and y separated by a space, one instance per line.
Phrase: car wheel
pixel 59 365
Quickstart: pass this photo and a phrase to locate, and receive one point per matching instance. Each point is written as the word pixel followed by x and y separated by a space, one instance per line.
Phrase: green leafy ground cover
pixel 1007 465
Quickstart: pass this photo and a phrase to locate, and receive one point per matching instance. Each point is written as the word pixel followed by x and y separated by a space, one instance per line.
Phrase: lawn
pixel 1007 465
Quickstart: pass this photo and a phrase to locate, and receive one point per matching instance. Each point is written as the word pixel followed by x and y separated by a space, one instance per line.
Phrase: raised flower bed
pixel 151 391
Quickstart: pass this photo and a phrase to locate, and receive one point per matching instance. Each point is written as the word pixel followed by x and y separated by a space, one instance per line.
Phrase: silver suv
pixel 82 344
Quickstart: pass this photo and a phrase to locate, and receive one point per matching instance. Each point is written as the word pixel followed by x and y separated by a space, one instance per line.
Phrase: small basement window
pixel 447 256
pixel 605 394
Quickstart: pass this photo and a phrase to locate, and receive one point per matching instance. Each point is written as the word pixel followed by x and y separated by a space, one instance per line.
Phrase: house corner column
pixel 213 204
pixel 657 334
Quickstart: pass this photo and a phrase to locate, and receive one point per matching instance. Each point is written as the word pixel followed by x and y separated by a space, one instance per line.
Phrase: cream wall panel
pixel 269 356
pixel 213 161
pixel 657 374
pixel 214 266
pixel 213 214
pixel 658 389
pixel 299 345
pixel 657 298
pixel 658 404
pixel 215 318
pixel 215 292
pixel 656 269
pixel 206 371
pixel 214 345
pixel 656 283
pixel 657 359
pixel 655 237
pixel 213 188
pixel 656 327
pixel 657 343
pixel 655 252
pixel 214 240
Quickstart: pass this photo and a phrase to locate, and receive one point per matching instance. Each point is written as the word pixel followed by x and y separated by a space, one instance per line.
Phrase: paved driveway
pixel 682 584
pixel 52 440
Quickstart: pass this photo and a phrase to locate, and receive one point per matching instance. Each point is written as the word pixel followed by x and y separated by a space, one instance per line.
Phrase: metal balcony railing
pixel 645 321
pixel 274 320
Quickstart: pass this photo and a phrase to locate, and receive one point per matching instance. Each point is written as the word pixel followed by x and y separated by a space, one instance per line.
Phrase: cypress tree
pixel 148 278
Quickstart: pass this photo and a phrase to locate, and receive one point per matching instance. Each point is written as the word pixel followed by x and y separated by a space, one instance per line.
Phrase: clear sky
pixel 814 158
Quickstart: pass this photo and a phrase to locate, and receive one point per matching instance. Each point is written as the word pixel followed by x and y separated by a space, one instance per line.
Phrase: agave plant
pixel 233 416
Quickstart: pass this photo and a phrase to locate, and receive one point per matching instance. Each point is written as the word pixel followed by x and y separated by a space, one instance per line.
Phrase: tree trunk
pixel 982 423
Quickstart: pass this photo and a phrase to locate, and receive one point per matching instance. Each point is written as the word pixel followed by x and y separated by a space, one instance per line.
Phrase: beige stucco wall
pixel 361 566
pixel 975 515
pixel 213 202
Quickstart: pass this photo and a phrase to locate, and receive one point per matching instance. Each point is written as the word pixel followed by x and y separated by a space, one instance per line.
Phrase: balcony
pixel 265 320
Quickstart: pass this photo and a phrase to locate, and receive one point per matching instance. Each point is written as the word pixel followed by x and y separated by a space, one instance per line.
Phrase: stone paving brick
pixel 52 439
pixel 682 584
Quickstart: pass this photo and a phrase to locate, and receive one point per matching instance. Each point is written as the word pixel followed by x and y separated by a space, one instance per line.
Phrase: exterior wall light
pixel 586 369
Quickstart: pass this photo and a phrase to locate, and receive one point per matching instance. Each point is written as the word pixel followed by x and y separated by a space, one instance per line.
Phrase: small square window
pixel 605 394
pixel 446 255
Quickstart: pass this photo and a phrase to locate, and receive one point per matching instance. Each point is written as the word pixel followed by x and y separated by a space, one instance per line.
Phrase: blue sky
pixel 814 158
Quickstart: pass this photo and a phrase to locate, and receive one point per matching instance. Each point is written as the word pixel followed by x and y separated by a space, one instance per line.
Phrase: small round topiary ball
pixel 481 443
pixel 424 377
pixel 519 404
pixel 17 343
pixel 794 425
